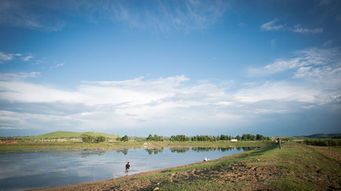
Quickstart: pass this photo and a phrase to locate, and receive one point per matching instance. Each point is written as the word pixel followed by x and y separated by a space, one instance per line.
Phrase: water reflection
pixel 20 171
pixel 154 151
pixel 87 153
pixel 179 149
pixel 124 151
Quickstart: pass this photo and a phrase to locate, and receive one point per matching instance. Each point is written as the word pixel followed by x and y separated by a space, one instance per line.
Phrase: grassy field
pixel 294 167
pixel 69 134
pixel 65 146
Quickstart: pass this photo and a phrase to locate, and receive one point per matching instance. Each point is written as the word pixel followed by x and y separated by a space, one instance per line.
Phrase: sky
pixel 170 67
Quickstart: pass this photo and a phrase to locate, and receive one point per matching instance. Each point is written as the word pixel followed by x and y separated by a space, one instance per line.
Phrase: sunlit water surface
pixel 19 171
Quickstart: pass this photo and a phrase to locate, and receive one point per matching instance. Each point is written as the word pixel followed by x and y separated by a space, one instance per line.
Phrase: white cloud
pixel 163 102
pixel 309 57
pixel 18 91
pixel 299 29
pixel 18 76
pixel 57 66
pixel 27 58
pixel 280 92
pixel 5 57
pixel 274 26
pixel 60 65
pixel 271 26
pixel 315 80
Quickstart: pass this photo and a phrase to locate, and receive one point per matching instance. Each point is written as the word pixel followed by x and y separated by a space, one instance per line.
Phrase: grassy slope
pixel 294 167
pixel 69 134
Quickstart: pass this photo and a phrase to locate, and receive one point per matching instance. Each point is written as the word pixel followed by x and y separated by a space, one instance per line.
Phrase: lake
pixel 19 171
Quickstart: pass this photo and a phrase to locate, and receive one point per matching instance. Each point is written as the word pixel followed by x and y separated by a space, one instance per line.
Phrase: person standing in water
pixel 127 167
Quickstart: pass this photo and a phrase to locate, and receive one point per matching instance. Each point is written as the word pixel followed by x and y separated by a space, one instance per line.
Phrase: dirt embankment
pixel 253 178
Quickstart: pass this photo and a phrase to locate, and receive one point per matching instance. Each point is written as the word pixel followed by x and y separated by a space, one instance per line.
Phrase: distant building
pixel 234 140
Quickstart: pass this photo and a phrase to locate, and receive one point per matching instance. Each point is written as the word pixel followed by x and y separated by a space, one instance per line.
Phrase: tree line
pixel 92 139
pixel 245 137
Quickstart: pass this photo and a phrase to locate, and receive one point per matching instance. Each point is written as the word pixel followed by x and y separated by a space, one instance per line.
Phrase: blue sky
pixel 170 67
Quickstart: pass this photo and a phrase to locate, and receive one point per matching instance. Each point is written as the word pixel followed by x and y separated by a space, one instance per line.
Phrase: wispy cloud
pixel 299 29
pixel 27 58
pixel 303 58
pixel 314 76
pixel 57 66
pixel 160 16
pixel 271 26
pixel 23 14
pixel 274 25
pixel 7 57
pixel 18 76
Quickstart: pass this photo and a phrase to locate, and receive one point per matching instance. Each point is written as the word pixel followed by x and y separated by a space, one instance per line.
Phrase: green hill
pixel 70 134
pixel 322 135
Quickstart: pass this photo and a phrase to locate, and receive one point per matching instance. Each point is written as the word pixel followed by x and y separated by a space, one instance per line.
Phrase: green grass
pixel 294 184
pixel 301 168
pixel 70 134
pixel 201 185
pixel 65 146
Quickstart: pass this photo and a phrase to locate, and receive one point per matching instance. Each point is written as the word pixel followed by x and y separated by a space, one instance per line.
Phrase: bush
pixel 92 139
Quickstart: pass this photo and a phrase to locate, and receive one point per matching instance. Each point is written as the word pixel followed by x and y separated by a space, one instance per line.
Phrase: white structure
pixel 234 140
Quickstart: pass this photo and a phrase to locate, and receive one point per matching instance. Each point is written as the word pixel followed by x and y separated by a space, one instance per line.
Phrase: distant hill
pixel 322 135
pixel 70 134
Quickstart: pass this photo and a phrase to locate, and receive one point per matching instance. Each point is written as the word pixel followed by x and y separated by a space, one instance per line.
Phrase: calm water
pixel 19 171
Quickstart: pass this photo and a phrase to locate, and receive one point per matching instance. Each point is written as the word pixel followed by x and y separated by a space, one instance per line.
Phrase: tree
pixel 260 137
pixel 125 138
pixel 87 138
pixel 179 138
pixel 154 138
pixel 99 139
pixel 150 137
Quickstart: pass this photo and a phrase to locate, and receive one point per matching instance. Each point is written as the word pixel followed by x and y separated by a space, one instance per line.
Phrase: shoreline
pixel 70 146
pixel 294 167
pixel 132 176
